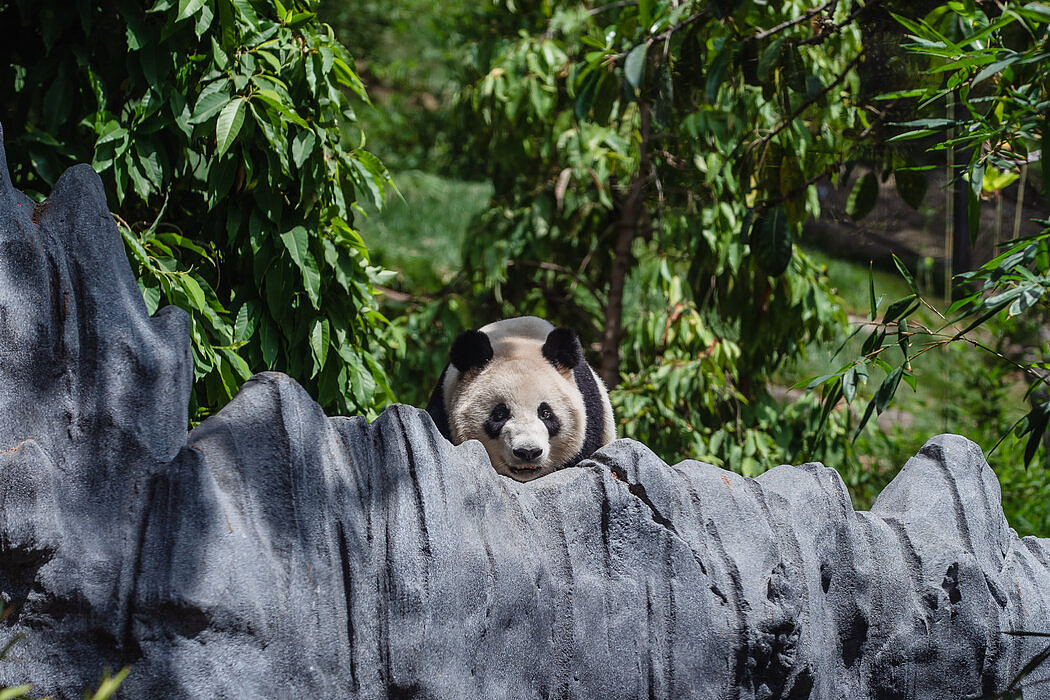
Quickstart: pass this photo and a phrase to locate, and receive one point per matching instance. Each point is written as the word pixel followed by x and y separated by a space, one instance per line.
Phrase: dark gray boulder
pixel 277 552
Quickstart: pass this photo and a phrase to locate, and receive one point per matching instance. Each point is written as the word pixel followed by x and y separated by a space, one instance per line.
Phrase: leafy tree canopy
pixel 223 130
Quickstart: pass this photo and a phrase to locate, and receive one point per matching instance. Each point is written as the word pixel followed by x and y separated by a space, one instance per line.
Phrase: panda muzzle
pixel 528 457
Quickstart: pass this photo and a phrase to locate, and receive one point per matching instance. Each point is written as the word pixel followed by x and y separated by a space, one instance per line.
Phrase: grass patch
pixel 420 232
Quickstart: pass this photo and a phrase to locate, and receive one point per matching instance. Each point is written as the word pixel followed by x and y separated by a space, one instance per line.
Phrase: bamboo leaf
pixel 901 307
pixel 871 291
pixel 905 273
pixel 995 68
pixel 887 389
pixel 863 196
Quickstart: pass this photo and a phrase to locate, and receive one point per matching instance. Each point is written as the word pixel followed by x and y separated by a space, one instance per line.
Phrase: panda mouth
pixel 523 467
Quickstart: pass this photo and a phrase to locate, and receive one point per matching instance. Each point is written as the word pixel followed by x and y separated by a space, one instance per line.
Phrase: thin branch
pixel 611 6
pixel 551 267
pixel 798 20
pixel 819 38
pixel 790 120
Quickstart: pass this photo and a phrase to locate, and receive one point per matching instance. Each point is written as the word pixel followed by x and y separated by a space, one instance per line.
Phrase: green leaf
pixel 1045 158
pixel 302 147
pixel 937 123
pixel 320 339
pixel 771 242
pixel 15 692
pixel 794 68
pixel 272 99
pixel 645 14
pixel 585 95
pixel 312 280
pixel 871 291
pixel 193 290
pixel 912 135
pixel 973 214
pixel 1037 420
pixel 850 380
pixel 769 58
pixel 212 99
pixel 863 196
pixel 911 186
pixel 717 72
pixel 873 342
pixel 865 418
pixel 297 242
pixel 238 363
pixel 1037 11
pixel 247 321
pixel 294 20
pixel 901 307
pixel 995 68
pixel 887 389
pixel 228 125
pixel 905 273
pixel 188 8
pixel 1030 294
pixel 916 92
pixel 634 66
pixel 110 684
pixel 269 342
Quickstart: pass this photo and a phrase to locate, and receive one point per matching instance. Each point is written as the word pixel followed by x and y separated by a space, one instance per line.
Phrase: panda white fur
pixel 522 388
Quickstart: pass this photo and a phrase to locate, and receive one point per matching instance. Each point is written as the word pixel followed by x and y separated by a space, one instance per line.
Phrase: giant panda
pixel 522 388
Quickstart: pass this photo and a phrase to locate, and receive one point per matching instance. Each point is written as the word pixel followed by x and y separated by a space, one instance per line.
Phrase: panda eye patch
pixel 546 415
pixel 496 420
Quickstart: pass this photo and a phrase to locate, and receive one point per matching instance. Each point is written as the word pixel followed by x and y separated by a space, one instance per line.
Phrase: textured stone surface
pixel 276 552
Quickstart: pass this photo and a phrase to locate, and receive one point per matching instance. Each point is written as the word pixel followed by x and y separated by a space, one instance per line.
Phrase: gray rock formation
pixel 276 552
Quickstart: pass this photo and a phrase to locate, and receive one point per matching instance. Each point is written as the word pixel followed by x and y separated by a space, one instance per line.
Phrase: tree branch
pixel 808 103
pixel 798 20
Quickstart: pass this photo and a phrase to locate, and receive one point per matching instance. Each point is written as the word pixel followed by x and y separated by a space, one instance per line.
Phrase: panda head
pixel 523 406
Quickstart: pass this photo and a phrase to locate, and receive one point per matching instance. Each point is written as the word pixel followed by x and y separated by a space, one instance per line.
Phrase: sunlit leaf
pixel 228 125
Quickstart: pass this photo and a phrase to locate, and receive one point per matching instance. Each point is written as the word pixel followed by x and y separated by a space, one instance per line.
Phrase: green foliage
pixel 993 66
pixel 217 127
pixel 407 52
pixel 652 166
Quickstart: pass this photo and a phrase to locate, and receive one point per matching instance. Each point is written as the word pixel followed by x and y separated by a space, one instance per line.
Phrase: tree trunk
pixel 628 228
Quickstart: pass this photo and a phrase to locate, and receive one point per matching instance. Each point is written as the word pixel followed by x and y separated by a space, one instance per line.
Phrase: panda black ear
pixel 562 348
pixel 470 350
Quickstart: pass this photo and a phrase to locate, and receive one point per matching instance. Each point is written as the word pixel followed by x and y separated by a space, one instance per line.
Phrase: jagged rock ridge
pixel 276 551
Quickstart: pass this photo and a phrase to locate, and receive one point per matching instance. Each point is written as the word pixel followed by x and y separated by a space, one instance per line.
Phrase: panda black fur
pixel 522 387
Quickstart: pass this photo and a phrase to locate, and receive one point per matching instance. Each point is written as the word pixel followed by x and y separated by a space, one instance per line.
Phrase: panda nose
pixel 527 454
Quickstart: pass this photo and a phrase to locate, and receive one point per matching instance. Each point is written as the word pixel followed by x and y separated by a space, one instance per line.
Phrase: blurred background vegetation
pixel 725 200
